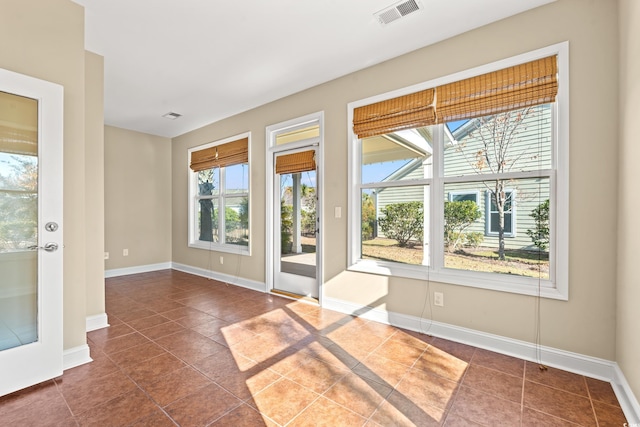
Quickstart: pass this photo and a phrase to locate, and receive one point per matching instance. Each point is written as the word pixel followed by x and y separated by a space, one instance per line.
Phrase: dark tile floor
pixel 184 350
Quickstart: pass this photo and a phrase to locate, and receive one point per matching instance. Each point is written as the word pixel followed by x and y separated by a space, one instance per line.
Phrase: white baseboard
pixel 97 321
pixel 75 357
pixel 593 367
pixel 232 280
pixel 137 269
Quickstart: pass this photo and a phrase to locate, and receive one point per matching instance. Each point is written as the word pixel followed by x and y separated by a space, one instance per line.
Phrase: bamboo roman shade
pixel 296 162
pixel 18 141
pixel 520 86
pixel 231 153
pixel 405 112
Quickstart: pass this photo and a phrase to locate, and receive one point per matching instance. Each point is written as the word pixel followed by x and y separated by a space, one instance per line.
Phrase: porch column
pixel 297 215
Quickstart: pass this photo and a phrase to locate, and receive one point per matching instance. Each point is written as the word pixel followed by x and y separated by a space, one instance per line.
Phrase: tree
pixel 402 222
pixel 19 204
pixel 208 220
pixel 368 217
pixel 457 217
pixel 540 235
pixel 498 152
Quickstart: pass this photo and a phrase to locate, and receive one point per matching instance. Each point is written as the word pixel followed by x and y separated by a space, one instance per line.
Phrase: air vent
pixel 171 116
pixel 397 11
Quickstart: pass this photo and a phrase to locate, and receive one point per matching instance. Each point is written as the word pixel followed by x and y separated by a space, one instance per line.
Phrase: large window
pixel 464 181
pixel 219 195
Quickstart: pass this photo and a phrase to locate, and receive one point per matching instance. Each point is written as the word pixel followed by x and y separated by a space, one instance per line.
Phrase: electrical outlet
pixel 221 259
pixel 438 299
pixel 125 252
pixel 106 255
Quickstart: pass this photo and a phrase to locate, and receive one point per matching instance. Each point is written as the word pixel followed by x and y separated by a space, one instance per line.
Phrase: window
pixel 219 195
pixel 460 196
pixel 421 161
pixel 493 214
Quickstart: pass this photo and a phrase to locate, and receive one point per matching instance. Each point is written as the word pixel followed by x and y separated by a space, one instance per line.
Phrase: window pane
pixel 236 218
pixel 207 220
pixel 472 240
pixel 397 156
pixel 18 201
pixel 393 224
pixel 209 182
pixel 514 141
pixel 237 179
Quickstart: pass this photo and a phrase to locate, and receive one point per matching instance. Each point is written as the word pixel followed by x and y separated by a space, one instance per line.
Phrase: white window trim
pixel 487 209
pixel 557 286
pixel 193 188
pixel 271 132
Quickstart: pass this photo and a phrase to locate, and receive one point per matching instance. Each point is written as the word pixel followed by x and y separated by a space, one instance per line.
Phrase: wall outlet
pixel 438 299
pixel 221 259
pixel 106 255
pixel 125 252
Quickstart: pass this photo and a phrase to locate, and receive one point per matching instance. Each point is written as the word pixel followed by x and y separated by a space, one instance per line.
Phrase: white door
pixel 296 223
pixel 30 231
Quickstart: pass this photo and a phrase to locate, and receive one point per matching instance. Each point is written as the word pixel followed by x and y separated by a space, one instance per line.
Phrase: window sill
pixel 502 283
pixel 216 247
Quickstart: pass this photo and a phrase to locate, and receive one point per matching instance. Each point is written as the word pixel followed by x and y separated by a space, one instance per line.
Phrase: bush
pixel 474 239
pixel 402 222
pixel 540 235
pixel 457 217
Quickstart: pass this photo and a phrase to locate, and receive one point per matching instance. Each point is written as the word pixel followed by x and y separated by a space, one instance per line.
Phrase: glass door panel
pixel 18 220
pixel 297 227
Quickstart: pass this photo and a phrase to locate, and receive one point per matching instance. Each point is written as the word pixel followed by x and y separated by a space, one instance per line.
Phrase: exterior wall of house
pixel 585 323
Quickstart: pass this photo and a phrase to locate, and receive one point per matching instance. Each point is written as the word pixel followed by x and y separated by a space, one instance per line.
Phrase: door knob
pixel 50 247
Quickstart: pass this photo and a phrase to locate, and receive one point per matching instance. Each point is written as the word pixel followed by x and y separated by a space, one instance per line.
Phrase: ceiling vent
pixel 397 11
pixel 171 116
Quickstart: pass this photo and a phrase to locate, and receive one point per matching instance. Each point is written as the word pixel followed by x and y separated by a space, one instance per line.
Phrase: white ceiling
pixel 209 59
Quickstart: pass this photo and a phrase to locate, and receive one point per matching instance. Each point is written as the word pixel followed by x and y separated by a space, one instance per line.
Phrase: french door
pixel 296 222
pixel 30 231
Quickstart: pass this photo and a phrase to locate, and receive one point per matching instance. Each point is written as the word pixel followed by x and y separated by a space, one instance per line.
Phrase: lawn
pixel 518 262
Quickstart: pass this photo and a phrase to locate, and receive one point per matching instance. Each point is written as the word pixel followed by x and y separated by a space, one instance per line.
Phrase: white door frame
pixel 42 360
pixel 272 132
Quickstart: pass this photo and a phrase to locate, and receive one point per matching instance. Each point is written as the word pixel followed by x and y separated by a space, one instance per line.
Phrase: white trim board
pixel 116 272
pixel 593 367
pixel 226 278
pixel 76 356
pixel 97 321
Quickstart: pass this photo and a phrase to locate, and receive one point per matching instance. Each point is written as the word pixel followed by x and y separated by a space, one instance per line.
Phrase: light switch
pixel 337 212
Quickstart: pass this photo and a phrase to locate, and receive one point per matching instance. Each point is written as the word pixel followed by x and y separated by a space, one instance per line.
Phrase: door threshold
pixel 301 298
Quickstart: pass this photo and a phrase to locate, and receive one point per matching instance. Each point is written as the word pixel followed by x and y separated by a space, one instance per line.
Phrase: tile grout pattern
pixel 188 351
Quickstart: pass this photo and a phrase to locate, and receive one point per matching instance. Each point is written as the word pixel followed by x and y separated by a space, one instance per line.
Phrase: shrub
pixel 474 239
pixel 540 235
pixel 457 217
pixel 402 222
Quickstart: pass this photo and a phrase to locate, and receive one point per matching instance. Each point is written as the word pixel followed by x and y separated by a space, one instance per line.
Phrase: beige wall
pixel 628 327
pixel 94 182
pixel 585 324
pixel 137 181
pixel 45 39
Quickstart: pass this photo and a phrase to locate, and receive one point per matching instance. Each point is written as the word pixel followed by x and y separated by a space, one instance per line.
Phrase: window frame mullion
pixel 436 241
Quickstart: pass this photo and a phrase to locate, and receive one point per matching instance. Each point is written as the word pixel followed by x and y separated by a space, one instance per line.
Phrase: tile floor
pixel 184 350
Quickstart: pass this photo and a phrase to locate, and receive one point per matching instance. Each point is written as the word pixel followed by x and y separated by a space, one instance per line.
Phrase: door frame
pixel 42 360
pixel 272 132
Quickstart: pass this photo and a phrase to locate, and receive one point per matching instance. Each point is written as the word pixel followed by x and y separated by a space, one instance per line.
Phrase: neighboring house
pixel 528 148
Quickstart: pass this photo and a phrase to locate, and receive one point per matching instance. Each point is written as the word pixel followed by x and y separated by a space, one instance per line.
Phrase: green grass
pixel 517 262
